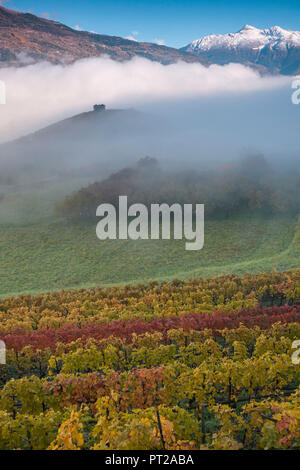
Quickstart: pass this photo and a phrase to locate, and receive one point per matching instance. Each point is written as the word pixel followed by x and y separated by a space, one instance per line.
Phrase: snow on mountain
pixel 248 36
pixel 274 49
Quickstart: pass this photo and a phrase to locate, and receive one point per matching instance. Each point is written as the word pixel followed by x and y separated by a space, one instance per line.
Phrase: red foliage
pixel 263 317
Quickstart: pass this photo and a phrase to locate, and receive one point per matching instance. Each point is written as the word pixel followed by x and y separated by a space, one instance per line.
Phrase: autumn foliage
pixel 198 364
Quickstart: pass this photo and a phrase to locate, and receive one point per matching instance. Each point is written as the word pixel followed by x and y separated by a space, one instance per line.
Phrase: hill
pixel 40 251
pixel 26 38
pixel 86 143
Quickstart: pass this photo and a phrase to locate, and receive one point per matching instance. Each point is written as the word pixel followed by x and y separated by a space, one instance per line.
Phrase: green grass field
pixel 40 252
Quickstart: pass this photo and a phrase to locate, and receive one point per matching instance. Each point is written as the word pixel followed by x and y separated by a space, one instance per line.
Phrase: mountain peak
pixel 273 49
pixel 248 27
pixel 277 29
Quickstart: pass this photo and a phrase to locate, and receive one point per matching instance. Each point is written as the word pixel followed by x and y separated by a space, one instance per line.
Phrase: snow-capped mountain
pixel 275 49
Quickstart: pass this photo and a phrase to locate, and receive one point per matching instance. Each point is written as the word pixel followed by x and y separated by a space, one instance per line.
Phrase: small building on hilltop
pixel 99 107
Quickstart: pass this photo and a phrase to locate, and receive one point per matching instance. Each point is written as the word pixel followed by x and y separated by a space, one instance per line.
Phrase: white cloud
pixel 131 38
pixel 160 42
pixel 40 94
pixel 24 58
pixel 78 28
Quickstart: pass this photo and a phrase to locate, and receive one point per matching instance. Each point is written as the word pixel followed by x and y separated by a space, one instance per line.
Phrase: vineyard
pixel 181 365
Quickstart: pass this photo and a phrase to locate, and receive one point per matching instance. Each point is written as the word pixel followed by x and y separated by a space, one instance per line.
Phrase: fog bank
pixel 40 94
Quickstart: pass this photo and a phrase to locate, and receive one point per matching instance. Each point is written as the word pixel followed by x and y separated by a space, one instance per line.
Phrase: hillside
pixel 88 142
pixel 41 250
pixel 26 38
pixel 39 253
pixel 155 367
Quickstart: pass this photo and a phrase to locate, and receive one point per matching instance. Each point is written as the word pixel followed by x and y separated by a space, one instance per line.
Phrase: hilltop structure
pixel 99 107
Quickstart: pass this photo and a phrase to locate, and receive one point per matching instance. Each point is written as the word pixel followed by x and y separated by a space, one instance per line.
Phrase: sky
pixel 174 23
